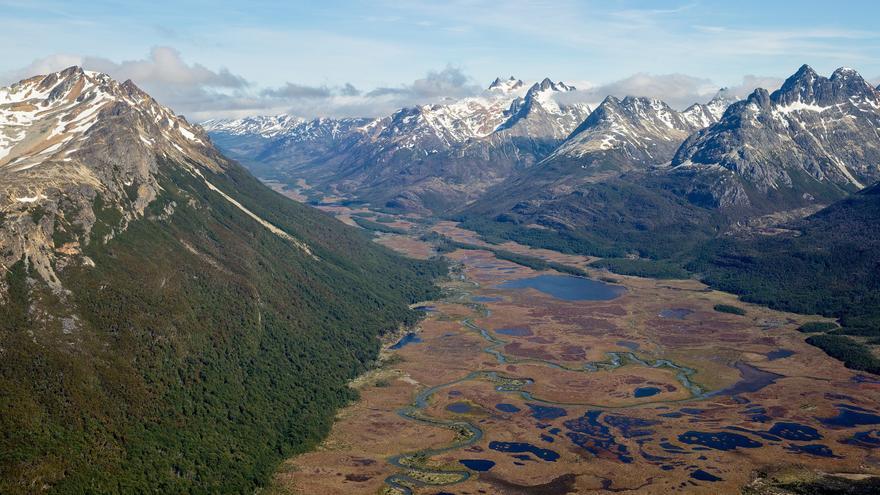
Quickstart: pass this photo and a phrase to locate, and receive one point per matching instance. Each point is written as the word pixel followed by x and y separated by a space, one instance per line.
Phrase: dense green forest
pixel 200 350
pixel 828 264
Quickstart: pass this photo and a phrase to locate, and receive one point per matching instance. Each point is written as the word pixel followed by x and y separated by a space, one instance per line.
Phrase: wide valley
pixel 540 382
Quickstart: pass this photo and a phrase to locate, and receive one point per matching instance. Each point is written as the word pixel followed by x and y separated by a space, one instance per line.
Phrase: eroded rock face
pixel 624 134
pixel 815 138
pixel 75 145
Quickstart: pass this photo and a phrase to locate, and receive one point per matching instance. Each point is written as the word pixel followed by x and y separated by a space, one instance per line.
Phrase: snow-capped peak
pixel 505 86
pixel 266 126
pixel 48 117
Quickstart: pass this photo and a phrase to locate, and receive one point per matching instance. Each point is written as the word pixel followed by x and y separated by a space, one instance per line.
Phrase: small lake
pixel 567 287
pixel 409 338
pixel 480 465
pixel 646 392
pixel 779 354
pixel 459 407
pixel 522 447
pixel 508 408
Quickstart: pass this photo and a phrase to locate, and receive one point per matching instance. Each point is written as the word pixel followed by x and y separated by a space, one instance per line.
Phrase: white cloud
pixel 677 90
pixel 449 82
pixel 163 74
pixel 201 93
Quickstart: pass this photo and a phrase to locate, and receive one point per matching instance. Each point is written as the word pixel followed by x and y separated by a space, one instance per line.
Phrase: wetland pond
pixel 567 287
pixel 409 338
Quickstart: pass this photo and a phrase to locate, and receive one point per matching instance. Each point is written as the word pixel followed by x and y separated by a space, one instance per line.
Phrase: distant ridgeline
pixel 722 191
pixel 167 323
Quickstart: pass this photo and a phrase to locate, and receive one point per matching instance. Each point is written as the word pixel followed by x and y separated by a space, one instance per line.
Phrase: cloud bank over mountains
pixel 199 92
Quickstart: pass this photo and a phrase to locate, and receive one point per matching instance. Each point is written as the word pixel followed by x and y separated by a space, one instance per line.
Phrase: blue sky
pixel 229 58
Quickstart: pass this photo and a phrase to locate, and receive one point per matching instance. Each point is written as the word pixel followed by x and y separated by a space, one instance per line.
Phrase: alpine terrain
pixel 167 323
pixel 427 157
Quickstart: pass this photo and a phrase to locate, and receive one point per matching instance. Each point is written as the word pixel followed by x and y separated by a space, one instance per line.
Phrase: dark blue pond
pixel 701 475
pixel 631 427
pixel 595 437
pixel 546 412
pixel 567 287
pixel 817 450
pixel 459 407
pixel 409 338
pixel 849 416
pixel 795 431
pixel 477 464
pixel 514 331
pixel 718 440
pixel 646 392
pixel 508 408
pixel 869 439
pixel 779 354
pixel 757 414
pixel 522 447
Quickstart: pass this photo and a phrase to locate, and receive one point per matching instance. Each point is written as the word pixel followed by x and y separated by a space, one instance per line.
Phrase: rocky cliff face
pixel 815 138
pixel 68 137
pixel 620 135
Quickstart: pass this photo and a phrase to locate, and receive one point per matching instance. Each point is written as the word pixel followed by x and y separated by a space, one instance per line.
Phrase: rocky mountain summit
pixel 814 138
pixel 69 136
pixel 623 134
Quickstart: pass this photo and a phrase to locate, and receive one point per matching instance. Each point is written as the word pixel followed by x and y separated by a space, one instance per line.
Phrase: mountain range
pixel 771 196
pixel 809 143
pixel 424 157
pixel 156 298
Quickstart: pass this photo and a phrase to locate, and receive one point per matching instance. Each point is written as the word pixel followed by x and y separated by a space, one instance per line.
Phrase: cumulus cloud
pixel 164 74
pixel 292 90
pixel 449 82
pixel 200 93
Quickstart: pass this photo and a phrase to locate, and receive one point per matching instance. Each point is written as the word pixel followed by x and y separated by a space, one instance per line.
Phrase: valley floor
pixel 629 385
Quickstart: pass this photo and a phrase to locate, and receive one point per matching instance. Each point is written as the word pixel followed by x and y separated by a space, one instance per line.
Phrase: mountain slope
pixel 814 139
pixel 620 135
pixel 161 310
pixel 702 115
pixel 604 176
